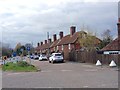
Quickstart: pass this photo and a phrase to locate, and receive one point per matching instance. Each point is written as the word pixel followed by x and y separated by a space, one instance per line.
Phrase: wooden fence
pixel 92 57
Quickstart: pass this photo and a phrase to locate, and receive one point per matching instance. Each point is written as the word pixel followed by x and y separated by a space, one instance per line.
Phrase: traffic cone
pixel 112 64
pixel 98 63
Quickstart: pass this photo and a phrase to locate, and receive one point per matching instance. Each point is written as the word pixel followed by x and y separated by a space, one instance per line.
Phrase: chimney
pixel 41 43
pixel 119 20
pixel 45 41
pixel 49 41
pixel 38 44
pixel 118 25
pixel 72 30
pixel 61 35
pixel 54 37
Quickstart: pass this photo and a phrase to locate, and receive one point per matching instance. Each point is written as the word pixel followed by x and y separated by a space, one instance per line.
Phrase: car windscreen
pixel 58 55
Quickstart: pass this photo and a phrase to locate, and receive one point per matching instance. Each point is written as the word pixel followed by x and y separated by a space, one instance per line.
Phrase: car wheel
pixel 62 61
pixel 49 61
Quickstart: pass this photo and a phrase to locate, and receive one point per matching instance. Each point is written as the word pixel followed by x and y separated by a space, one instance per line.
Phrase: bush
pixel 23 64
pixel 20 66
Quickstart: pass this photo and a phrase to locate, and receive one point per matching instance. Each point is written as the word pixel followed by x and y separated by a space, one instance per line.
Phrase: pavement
pixel 63 75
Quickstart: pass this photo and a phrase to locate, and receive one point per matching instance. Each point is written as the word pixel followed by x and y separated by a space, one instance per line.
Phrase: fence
pixel 92 57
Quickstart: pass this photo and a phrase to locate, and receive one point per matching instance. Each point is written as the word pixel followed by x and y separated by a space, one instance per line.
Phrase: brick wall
pixel 66 52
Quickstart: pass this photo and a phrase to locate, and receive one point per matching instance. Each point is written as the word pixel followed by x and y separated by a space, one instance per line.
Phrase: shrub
pixel 20 66
pixel 23 64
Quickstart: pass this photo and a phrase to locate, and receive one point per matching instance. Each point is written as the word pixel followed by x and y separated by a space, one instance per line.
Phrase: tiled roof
pixel 54 43
pixel 111 46
pixel 69 39
pixel 44 46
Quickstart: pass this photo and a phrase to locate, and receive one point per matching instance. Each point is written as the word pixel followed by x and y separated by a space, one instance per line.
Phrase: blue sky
pixel 29 21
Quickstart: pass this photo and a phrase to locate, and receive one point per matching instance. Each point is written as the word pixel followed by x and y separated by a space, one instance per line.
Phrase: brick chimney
pixel 45 41
pixel 118 25
pixel 54 37
pixel 72 30
pixel 49 41
pixel 61 35
pixel 41 43
pixel 38 44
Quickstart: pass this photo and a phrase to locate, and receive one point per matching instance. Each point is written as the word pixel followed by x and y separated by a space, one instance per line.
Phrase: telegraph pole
pixel 48 43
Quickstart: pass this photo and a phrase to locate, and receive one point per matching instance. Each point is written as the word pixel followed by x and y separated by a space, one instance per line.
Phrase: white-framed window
pixel 54 48
pixel 69 46
pixel 57 47
pixel 62 47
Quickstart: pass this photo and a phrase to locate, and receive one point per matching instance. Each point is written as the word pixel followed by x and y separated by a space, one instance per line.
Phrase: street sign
pixel 14 54
pixel 28 48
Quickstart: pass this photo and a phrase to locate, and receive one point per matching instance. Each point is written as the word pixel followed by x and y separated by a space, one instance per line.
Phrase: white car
pixel 42 57
pixel 36 57
pixel 56 57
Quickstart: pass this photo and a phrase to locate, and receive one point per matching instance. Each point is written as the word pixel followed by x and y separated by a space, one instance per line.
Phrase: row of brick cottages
pixel 64 44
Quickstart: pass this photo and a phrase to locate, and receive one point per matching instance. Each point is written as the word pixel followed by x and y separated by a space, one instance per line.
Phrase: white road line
pixel 85 86
pixel 13 73
pixel 103 85
pixel 47 71
pixel 92 70
pixel 87 65
pixel 66 70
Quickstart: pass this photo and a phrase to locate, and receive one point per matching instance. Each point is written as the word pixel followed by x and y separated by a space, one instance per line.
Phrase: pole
pixel 48 44
pixel 29 57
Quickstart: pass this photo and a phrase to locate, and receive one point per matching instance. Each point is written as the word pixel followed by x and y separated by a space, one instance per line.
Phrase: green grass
pixel 20 66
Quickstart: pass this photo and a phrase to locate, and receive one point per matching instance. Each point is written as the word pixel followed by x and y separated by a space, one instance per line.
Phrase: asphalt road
pixel 63 75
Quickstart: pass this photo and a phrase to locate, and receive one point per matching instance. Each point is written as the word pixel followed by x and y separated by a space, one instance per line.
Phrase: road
pixel 63 75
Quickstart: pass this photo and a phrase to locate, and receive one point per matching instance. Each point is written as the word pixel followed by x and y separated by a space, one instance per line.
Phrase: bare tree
pixel 107 38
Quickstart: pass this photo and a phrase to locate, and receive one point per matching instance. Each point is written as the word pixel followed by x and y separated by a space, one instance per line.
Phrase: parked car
pixel 42 57
pixel 36 57
pixel 56 57
pixel 31 57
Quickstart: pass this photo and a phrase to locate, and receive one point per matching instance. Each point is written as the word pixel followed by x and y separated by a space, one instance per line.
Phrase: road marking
pixel 13 73
pixel 57 64
pixel 85 86
pixel 91 70
pixel 103 85
pixel 87 65
pixel 47 71
pixel 66 70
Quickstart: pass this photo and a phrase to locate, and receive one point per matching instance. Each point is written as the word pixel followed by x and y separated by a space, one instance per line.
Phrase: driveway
pixel 63 75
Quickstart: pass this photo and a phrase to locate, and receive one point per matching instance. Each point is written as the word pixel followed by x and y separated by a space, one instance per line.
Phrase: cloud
pixel 30 20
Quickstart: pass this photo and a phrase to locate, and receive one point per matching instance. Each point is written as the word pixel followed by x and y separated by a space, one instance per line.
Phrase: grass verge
pixel 20 66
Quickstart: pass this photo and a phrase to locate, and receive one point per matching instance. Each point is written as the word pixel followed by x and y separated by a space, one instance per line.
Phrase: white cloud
pixel 30 20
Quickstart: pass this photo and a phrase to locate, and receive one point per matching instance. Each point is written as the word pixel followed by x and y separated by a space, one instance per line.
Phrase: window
pixel 58 54
pixel 54 48
pixel 57 47
pixel 69 46
pixel 62 47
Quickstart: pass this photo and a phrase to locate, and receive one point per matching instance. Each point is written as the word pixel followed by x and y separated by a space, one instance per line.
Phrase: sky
pixel 28 21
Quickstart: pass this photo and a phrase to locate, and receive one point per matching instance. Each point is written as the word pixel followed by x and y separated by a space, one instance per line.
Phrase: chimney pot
pixel 45 41
pixel 118 25
pixel 38 44
pixel 54 37
pixel 72 30
pixel 61 35
pixel 41 43
pixel 49 41
pixel 119 20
